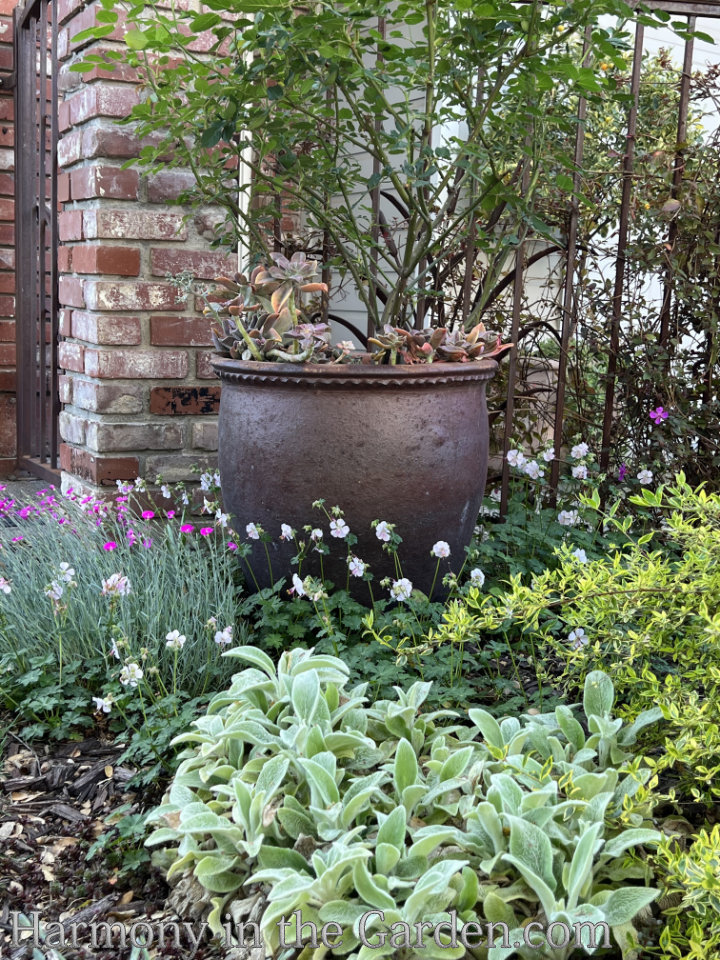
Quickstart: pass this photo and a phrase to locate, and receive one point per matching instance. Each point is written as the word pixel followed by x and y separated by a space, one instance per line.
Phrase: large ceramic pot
pixel 405 444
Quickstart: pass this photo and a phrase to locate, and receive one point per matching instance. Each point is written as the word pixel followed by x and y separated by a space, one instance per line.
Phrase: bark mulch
pixel 55 800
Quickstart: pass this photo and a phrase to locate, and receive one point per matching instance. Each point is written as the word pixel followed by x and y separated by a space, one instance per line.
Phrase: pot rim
pixel 370 375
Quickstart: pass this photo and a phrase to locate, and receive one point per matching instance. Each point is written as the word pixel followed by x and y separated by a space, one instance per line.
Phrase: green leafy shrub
pixel 338 807
pixel 690 878
pixel 654 614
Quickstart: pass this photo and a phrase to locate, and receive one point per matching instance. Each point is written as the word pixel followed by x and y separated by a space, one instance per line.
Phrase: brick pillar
pixel 138 392
pixel 8 407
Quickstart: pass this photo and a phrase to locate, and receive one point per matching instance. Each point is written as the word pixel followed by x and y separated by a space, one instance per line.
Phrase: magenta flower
pixel 205 531
pixel 187 528
pixel 622 472
pixel 658 415
pixel 110 545
pixel 147 543
pixel 148 514
pixel 16 539
pixel 170 514
pixel 25 512
pixel 231 545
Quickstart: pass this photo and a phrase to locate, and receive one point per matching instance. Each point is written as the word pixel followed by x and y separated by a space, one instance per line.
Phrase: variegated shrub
pixel 335 807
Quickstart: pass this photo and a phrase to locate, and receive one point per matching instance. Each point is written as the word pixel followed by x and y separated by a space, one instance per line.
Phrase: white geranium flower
pixel 286 532
pixel 298 585
pixel 140 485
pixel 316 534
pixel 339 529
pixel 534 470
pixel 222 519
pixel 516 459
pixel 580 555
pixel 357 567
pixel 579 451
pixel 185 498
pixel 496 495
pixel 441 549
pixel 252 531
pixel 549 455
pixel 208 505
pixel 130 674
pixel 205 481
pixel 577 638
pixel 175 640
pixel 114 650
pixel 401 589
pixel 102 704
pixel 66 572
pixel 477 577
pixel 580 471
pixel 224 636
pixel 383 531
pixel 568 518
pixel 645 477
pixel 165 491
pixel 54 591
pixel 116 585
pixel 5 585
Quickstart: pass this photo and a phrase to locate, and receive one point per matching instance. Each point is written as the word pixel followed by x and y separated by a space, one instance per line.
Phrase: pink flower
pixel 658 415
pixel 16 539
pixel 110 545
pixel 147 543
pixel 148 514
pixel 170 514
pixel 231 545
pixel 205 531
pixel 187 528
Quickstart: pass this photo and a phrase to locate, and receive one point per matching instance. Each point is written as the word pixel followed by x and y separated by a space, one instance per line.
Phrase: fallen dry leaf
pixel 108 771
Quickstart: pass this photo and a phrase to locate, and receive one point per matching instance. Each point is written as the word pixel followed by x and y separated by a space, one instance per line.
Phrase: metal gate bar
pixel 36 238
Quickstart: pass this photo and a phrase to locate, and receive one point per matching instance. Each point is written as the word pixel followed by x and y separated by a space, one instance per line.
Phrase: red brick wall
pixel 138 392
pixel 8 411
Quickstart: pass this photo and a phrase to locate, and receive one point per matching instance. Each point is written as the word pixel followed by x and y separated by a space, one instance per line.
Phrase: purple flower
pixel 658 415
pixel 622 472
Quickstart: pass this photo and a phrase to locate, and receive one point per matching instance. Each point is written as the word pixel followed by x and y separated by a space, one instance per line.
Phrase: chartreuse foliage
pixel 691 882
pixel 338 807
pixel 654 614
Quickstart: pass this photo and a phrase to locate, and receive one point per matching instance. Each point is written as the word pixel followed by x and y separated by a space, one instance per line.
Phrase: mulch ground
pixel 55 800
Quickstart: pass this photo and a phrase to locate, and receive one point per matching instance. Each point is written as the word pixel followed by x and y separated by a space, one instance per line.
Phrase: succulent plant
pixel 263 318
pixel 395 345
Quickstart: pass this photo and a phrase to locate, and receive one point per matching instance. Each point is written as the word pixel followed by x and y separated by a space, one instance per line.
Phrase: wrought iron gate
pixel 36 237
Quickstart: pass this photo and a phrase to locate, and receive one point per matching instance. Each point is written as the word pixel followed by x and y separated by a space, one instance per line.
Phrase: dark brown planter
pixel 406 444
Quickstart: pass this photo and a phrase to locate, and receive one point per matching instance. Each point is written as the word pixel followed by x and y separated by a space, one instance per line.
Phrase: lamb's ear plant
pixel 294 785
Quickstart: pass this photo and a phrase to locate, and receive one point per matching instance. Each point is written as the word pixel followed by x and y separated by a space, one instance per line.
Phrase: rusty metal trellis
pixel 36 237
